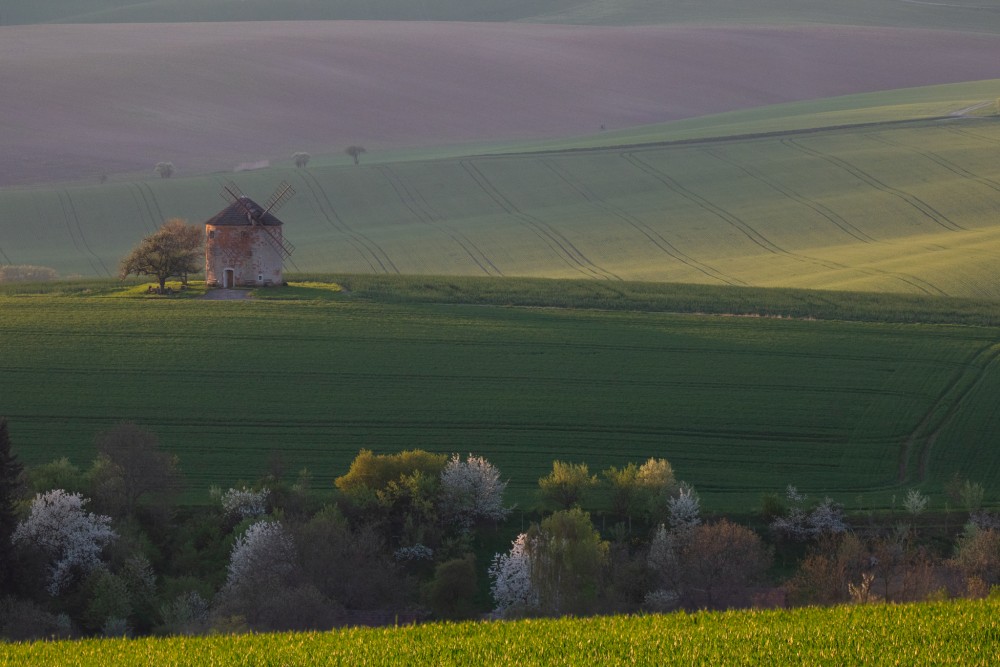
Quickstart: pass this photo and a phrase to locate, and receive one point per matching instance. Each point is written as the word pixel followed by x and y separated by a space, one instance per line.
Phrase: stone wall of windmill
pixel 242 256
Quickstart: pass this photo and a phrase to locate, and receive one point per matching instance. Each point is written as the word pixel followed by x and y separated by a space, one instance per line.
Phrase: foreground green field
pixel 960 633
pixel 891 207
pixel 859 410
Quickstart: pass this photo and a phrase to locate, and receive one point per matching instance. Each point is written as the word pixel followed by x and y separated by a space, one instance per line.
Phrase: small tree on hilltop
pixel 301 159
pixel 164 169
pixel 355 152
pixel 174 250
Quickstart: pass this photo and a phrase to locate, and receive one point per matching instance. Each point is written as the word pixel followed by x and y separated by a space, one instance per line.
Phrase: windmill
pixel 255 213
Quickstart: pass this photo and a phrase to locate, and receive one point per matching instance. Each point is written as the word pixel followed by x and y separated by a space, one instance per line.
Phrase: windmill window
pixel 260 277
pixel 211 234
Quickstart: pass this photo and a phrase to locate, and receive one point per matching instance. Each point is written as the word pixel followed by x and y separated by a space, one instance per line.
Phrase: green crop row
pixel 739 405
pixel 959 633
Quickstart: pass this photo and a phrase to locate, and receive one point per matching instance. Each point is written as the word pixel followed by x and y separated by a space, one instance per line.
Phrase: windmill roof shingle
pixel 236 215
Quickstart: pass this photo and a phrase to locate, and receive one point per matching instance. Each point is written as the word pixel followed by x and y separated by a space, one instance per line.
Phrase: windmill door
pixel 228 278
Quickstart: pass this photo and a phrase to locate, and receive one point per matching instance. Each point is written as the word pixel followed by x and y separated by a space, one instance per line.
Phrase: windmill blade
pixel 282 245
pixel 231 192
pixel 278 199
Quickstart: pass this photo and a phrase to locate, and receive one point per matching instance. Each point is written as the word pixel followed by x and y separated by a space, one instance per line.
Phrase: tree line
pixel 109 549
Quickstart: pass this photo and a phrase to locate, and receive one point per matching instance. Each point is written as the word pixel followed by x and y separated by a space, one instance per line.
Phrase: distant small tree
pixel 301 159
pixel 567 484
pixel 164 169
pixel 174 250
pixel 355 152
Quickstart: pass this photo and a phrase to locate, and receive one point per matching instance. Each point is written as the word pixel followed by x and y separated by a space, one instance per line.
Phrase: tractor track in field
pixel 142 205
pixel 160 219
pixel 835 218
pixel 915 202
pixel 974 135
pixel 971 374
pixel 730 218
pixel 416 204
pixel 370 251
pixel 654 237
pixel 69 210
pixel 941 161
pixel 559 244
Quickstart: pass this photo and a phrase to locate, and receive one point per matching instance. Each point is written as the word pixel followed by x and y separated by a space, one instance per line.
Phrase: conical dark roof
pixel 236 214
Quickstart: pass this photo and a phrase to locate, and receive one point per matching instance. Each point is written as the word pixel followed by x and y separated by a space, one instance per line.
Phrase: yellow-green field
pixel 953 633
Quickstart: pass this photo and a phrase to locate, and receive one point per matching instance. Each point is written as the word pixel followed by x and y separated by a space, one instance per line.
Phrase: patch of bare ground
pixel 81 100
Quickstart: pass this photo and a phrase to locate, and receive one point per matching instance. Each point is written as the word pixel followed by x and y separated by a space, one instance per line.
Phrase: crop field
pixel 738 405
pixel 980 16
pixel 916 634
pixel 905 207
pixel 147 93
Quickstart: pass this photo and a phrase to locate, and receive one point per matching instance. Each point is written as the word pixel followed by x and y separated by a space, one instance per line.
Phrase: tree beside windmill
pixel 244 246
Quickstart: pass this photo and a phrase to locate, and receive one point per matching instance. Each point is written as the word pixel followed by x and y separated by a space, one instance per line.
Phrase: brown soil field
pixel 82 100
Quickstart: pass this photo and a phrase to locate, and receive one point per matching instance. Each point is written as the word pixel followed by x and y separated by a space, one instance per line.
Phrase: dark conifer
pixel 11 471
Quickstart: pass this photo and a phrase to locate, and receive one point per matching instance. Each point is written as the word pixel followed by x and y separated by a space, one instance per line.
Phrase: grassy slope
pixel 900 208
pixel 981 16
pixel 922 634
pixel 845 407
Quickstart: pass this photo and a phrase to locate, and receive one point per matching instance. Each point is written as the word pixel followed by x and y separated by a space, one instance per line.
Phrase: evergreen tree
pixel 11 471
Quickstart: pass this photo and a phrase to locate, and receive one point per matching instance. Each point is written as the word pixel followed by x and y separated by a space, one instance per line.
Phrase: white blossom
pixel 415 552
pixel 71 537
pixel 264 551
pixel 827 518
pixel 472 490
pixel 915 502
pixel 510 574
pixel 684 510
pixel 245 503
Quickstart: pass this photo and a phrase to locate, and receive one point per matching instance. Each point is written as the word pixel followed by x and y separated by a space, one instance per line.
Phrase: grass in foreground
pixel 960 633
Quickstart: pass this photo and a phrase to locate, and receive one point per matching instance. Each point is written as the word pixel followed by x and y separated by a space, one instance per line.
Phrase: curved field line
pixel 558 243
pixel 72 236
pixel 654 237
pixel 152 197
pixel 359 241
pixel 143 212
pixel 920 205
pixel 79 228
pixel 974 135
pixel 968 376
pixel 913 281
pixel 728 217
pixel 941 161
pixel 149 209
pixel 819 208
pixel 5 257
pixel 421 211
pixel 702 203
pixel 925 452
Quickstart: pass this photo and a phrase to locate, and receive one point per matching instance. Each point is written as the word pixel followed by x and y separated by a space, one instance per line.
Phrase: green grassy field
pixel 739 405
pixel 983 16
pixel 962 633
pixel 890 208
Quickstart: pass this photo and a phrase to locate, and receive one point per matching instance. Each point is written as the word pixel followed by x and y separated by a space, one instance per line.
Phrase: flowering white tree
pixel 69 536
pixel 472 490
pixel 915 502
pixel 265 552
pixel 800 525
pixel 245 503
pixel 510 576
pixel 684 510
